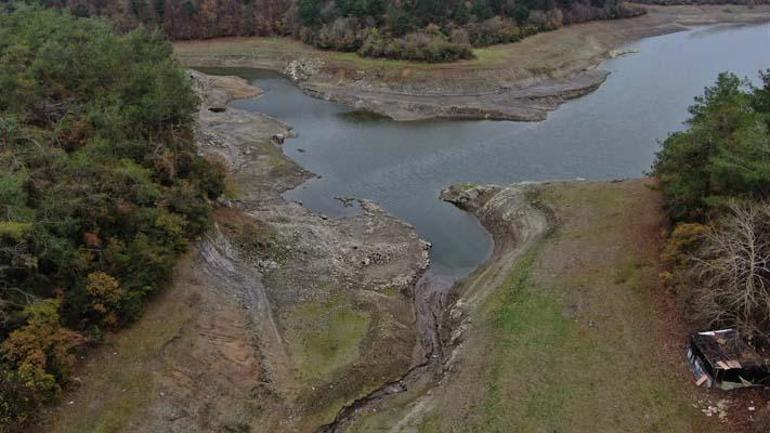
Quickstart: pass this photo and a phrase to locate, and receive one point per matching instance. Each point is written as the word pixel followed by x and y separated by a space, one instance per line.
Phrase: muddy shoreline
pixel 360 258
pixel 275 258
pixel 513 215
pixel 516 219
pixel 522 81
pixel 276 318
pixel 226 266
pixel 527 104
pixel 439 306
pixel 524 102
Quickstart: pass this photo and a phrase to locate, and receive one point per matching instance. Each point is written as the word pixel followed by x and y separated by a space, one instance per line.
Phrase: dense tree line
pixel 101 190
pixel 430 30
pixel 189 19
pixel 440 30
pixel 715 180
pixel 705 2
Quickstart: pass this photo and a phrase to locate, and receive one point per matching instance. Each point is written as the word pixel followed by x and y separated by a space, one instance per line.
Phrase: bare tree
pixel 731 271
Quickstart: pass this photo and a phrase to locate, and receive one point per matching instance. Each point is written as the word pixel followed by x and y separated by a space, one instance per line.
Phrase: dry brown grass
pixel 190 360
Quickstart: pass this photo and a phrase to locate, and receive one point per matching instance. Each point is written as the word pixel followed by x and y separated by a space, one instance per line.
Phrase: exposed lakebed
pixel 611 133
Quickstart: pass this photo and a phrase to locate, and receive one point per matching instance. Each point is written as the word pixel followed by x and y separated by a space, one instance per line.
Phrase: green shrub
pixel 723 156
pixel 37 359
pixel 432 48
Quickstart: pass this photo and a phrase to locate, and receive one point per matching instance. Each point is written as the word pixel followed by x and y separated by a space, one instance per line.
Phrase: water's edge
pixel 320 130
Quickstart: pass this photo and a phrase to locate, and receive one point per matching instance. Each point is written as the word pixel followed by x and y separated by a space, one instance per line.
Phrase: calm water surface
pixel 611 133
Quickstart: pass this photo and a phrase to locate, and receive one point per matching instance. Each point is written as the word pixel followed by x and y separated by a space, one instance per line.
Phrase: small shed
pixel 722 359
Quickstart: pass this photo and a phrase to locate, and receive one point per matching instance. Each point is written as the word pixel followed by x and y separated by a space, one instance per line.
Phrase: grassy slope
pixel 116 376
pixel 154 369
pixel 577 338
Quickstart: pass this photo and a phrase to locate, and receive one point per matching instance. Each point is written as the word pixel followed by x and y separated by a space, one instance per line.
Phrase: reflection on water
pixel 611 133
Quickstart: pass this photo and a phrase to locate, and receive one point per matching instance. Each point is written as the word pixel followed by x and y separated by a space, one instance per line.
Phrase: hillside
pixel 426 30
pixel 101 190
pixel 515 81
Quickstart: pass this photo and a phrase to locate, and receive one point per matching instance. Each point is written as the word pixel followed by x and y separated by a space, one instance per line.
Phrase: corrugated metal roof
pixel 725 349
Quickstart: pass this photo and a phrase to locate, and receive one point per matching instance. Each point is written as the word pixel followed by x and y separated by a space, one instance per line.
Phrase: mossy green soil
pixel 325 336
pixel 579 338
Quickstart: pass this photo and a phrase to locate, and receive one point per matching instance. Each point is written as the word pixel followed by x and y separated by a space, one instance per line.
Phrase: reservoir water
pixel 611 133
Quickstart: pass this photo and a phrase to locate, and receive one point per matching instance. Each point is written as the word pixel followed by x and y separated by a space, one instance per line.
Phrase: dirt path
pixel 521 81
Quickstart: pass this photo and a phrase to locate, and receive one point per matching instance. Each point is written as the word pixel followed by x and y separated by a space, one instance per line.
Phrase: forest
pixel 101 190
pixel 423 30
pixel 715 180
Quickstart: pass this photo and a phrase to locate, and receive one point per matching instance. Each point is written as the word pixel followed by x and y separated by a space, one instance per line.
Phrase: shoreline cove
pixel 361 268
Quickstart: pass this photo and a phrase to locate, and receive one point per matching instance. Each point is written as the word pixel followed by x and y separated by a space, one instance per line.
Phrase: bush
pixel 731 272
pixel 460 36
pixel 684 240
pixel 37 359
pixel 432 48
pixel 344 34
pixel 722 157
pixel 106 297
pixel 498 31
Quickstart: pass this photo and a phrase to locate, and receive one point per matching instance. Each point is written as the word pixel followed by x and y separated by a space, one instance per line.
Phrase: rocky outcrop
pixel 302 69
pixel 217 91
pixel 515 217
